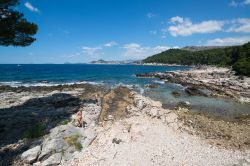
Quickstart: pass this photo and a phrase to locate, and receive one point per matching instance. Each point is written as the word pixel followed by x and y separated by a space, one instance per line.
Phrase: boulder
pixel 31 155
pixel 140 104
pixel 53 160
pixel 54 143
pixel 50 146
pixel 183 104
pixel 176 93
pixel 195 91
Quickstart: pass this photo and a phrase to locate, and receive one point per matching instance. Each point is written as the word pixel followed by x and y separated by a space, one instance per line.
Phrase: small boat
pixel 19 65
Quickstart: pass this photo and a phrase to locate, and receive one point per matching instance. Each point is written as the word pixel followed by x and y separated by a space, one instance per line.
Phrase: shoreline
pixel 115 119
pixel 165 64
pixel 219 82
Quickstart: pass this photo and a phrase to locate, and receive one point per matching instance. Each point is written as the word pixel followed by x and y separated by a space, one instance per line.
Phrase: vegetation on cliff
pixel 236 56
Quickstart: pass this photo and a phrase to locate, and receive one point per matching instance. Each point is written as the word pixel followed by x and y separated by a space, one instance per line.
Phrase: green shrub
pixel 242 67
pixel 35 132
pixel 73 141
pixel 64 122
pixel 78 146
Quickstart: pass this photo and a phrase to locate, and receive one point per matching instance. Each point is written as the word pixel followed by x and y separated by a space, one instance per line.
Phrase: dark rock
pixel 193 91
pixel 116 141
pixel 146 75
pixel 151 85
pixel 176 93
pixel 183 104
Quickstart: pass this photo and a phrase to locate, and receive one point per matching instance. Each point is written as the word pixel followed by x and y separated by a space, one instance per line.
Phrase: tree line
pixel 236 56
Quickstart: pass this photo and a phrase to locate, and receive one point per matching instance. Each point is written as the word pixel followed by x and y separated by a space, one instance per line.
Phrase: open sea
pixel 66 73
pixel 113 75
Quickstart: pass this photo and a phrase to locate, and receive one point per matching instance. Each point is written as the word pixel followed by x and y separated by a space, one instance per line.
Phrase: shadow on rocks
pixel 21 126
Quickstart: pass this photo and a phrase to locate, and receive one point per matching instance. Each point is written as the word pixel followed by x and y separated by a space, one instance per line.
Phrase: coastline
pixel 208 81
pixel 115 120
pixel 162 64
pixel 125 83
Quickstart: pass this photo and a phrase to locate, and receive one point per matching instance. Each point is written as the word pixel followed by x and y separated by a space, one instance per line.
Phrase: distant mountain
pixel 236 56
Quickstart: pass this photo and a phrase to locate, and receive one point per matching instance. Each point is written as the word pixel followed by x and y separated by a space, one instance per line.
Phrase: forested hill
pixel 236 56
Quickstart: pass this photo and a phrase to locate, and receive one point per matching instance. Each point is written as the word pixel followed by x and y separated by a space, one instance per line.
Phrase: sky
pixel 79 31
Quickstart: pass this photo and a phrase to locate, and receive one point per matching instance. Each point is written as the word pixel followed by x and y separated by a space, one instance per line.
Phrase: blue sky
pixel 84 30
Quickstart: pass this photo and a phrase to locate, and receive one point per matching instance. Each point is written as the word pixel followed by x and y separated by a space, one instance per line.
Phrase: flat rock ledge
pixel 148 135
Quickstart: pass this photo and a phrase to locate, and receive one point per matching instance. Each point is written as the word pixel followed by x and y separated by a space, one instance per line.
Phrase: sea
pixel 115 75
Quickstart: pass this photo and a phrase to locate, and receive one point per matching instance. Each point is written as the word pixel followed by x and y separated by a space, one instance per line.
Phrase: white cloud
pixel 176 19
pixel 151 15
pixel 110 44
pixel 31 7
pixel 236 3
pixel 228 41
pixel 240 25
pixel 136 51
pixel 233 3
pixel 185 27
pixel 246 2
pixel 91 50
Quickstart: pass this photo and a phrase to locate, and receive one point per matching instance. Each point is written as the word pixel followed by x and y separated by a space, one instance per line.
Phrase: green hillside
pixel 236 56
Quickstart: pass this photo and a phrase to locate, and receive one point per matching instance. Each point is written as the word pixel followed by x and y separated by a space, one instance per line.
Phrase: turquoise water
pixel 112 75
pixel 224 108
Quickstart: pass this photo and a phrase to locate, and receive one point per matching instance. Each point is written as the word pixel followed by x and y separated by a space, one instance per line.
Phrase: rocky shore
pixel 209 81
pixel 160 64
pixel 87 124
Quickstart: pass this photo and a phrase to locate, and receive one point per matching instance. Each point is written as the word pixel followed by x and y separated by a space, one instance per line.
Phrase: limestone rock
pixel 110 117
pixel 55 142
pixel 153 112
pixel 156 104
pixel 53 160
pixel 37 164
pixel 31 155
pixel 140 104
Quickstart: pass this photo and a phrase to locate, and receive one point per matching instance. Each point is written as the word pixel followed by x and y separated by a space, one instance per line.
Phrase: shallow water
pixel 113 75
pixel 219 107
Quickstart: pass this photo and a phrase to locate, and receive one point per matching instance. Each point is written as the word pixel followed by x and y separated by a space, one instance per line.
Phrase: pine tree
pixel 14 29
